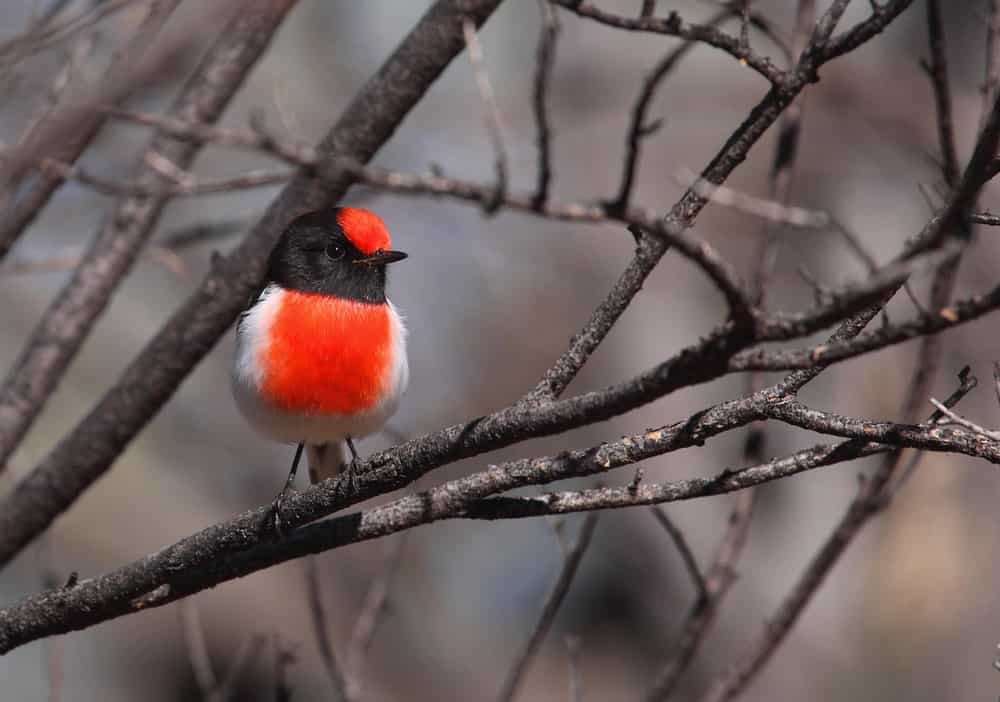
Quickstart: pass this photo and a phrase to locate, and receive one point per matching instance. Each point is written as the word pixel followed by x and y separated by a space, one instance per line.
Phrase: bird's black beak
pixel 381 258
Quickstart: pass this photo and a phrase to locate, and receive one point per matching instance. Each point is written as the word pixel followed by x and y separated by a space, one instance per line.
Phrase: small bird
pixel 321 352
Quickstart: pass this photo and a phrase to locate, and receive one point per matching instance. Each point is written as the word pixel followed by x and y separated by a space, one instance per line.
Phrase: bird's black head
pixel 341 252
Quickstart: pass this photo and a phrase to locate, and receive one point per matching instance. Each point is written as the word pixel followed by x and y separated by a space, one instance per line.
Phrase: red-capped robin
pixel 321 352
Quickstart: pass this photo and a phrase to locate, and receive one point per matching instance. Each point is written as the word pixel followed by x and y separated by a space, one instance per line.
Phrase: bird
pixel 320 356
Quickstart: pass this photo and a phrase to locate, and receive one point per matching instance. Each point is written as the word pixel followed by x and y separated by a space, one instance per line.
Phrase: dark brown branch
pixel 129 588
pixel 721 575
pixel 869 501
pixel 639 126
pixel 827 353
pixel 673 25
pixel 991 82
pixel 937 69
pixel 78 460
pixel 553 601
pixel 544 59
pixel 681 544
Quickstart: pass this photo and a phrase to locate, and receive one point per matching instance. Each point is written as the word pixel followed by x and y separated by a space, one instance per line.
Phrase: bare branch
pixel 769 209
pixel 937 69
pixel 43 35
pixel 184 184
pixel 991 82
pixel 544 60
pixel 573 661
pixel 491 113
pixel 552 603
pixel 673 25
pixel 639 126
pixel 865 505
pixel 681 544
pixel 318 618
pixel 721 575
pixel 197 648
pixel 372 610
pixel 963 422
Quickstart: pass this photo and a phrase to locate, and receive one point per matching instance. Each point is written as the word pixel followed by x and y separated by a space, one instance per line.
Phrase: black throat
pixel 314 256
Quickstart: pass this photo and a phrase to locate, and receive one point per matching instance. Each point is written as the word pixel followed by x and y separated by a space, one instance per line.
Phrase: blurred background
pixel 911 612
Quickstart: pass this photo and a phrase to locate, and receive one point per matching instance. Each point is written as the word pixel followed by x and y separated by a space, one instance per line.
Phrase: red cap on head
pixel 364 229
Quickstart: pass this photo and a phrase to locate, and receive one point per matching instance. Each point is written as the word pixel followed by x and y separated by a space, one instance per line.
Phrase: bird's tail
pixel 326 460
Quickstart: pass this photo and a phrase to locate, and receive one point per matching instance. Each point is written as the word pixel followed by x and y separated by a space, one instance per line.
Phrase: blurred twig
pixel 868 502
pixel 213 689
pixel 553 601
pixel 491 113
pixel 719 577
pixel 317 616
pixel 544 60
pixel 49 32
pixel 372 611
pixel 166 250
pixel 674 25
pixel 69 126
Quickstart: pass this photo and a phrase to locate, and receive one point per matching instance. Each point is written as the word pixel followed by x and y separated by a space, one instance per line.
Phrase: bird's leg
pixel 279 500
pixel 352 473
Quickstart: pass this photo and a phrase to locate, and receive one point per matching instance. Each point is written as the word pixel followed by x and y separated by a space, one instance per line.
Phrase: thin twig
pixel 372 611
pixel 674 25
pixel 197 648
pixel 719 578
pixel 639 126
pixel 869 501
pixel 45 35
pixel 544 61
pixel 963 422
pixel 245 657
pixel 991 82
pixel 284 657
pixel 573 663
pixel 166 250
pixel 770 209
pixel 683 548
pixel 552 603
pixel 317 616
pixel 491 114
pixel 937 69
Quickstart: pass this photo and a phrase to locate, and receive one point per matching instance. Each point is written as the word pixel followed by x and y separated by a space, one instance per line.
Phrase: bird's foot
pixel 353 487
pixel 275 519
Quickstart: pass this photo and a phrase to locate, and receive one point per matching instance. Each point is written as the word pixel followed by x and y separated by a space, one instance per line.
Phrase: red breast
pixel 326 355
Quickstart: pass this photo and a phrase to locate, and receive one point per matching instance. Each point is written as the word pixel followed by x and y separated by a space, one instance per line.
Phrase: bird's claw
pixel 352 477
pixel 275 519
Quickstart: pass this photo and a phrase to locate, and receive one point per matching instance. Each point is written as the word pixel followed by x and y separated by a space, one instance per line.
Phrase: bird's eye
pixel 335 252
